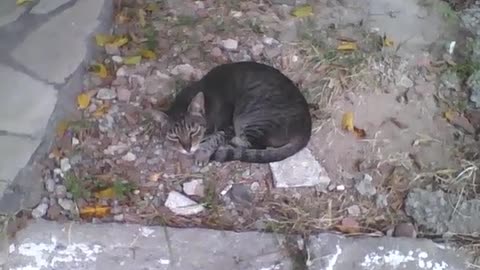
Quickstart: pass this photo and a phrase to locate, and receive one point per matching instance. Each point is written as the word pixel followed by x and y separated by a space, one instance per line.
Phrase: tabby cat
pixel 244 111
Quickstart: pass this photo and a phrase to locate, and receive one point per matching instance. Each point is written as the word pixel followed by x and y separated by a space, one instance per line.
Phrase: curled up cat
pixel 244 111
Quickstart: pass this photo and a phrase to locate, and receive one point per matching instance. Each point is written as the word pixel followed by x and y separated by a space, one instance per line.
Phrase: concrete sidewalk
pixel 43 46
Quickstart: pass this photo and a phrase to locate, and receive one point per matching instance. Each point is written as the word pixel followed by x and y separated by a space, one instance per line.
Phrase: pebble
pixel 365 186
pixel 216 52
pixel 40 210
pixel 269 41
pixel 106 94
pixel 194 187
pixel 66 204
pixel 60 191
pixel 405 230
pixel 381 201
pixel 162 82
pixel 255 186
pixel 340 188
pixel 354 211
pixel 112 49
pixel 182 205
pixel 122 72
pixel 75 141
pixel 129 157
pixel 118 218
pixel 54 211
pixel 405 82
pixel 65 165
pixel 115 149
pixel 257 49
pixel 240 193
pixel 117 59
pixel 123 94
pixel 230 44
pixel 50 185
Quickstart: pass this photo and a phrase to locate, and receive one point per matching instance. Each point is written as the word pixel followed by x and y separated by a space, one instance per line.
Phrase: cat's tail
pixel 224 154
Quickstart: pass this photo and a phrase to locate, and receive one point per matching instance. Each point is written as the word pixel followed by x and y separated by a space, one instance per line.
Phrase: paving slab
pixel 16 152
pixel 9 12
pixel 46 6
pixel 299 170
pixel 330 252
pixel 25 104
pixel 49 245
pixel 58 47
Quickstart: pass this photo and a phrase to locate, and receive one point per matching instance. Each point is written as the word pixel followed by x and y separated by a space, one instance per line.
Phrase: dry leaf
pixel 102 39
pixel 449 115
pixel 83 100
pixel 99 69
pixel 148 54
pixel 347 121
pixel 101 111
pixel 132 60
pixel 21 2
pixel 107 193
pixel 95 211
pixel 141 17
pixel 154 177
pixel 347 46
pixel 62 127
pixel 302 11
pixel 360 133
pixel 119 41
pixel 387 42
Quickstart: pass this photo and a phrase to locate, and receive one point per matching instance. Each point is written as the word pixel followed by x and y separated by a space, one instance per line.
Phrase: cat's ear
pixel 197 106
pixel 159 116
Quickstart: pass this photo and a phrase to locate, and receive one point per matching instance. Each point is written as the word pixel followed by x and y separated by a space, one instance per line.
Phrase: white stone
pixel 299 170
pixel 106 94
pixel 182 205
pixel 117 59
pixel 185 71
pixel 129 156
pixel 26 104
pixel 45 6
pixel 57 48
pixel 340 188
pixel 354 211
pixel 65 165
pixel 66 204
pixel 40 211
pixel 194 187
pixel 230 44
pixel 75 141
pixel 19 152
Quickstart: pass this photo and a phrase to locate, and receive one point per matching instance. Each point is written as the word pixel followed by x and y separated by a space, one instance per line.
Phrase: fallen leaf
pixel 387 42
pixel 99 69
pixel 94 211
pixel 107 193
pixel 83 100
pixel 119 41
pixel 132 60
pixel 449 115
pixel 102 39
pixel 141 17
pixel 148 54
pixel 360 133
pixel 21 2
pixel 101 111
pixel 62 127
pixel 55 154
pixel 302 11
pixel 347 46
pixel 154 177
pixel 347 121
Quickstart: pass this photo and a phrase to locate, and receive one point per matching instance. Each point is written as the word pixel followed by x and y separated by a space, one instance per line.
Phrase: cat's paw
pixel 201 158
pixel 240 142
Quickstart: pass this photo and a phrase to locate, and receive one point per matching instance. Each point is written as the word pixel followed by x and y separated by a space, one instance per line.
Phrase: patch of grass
pixel 256 26
pixel 210 201
pixel 78 126
pixel 184 20
pixel 122 188
pixel 464 70
pixel 75 186
pixel 151 35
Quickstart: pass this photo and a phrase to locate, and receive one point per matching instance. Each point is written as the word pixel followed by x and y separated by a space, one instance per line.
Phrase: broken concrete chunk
pixel 182 205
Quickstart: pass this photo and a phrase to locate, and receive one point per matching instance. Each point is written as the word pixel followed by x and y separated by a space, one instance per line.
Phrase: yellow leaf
pixel 119 41
pixel 347 46
pixel 151 7
pixel 347 121
pixel 62 126
pixel 302 11
pixel 449 115
pixel 95 211
pixel 99 69
pixel 132 60
pixel 102 39
pixel 387 42
pixel 141 17
pixel 148 54
pixel 83 100
pixel 101 111
pixel 107 193
pixel 21 2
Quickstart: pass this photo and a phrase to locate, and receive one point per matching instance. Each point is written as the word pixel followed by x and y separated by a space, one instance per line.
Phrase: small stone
pixel 106 94
pixel 381 201
pixel 230 44
pixel 117 59
pixel 194 188
pixel 122 72
pixel 182 205
pixel 405 230
pixel 75 159
pixel 75 141
pixel 241 194
pixel 271 53
pixel 216 52
pixel 350 223
pixel 405 82
pixel 40 210
pixel 365 186
pixel 66 204
pixel 129 157
pixel 185 71
pixel 269 41
pixel 112 49
pixel 50 185
pixel 119 217
pixel 162 83
pixel 450 80
pixel 123 94
pixel 354 210
pixel 65 165
pixel 54 211
pixel 257 49
pixel 115 149
pixel 254 186
pixel 340 188
pixel 60 191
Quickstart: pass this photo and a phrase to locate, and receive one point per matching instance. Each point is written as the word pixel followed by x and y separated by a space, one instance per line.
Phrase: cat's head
pixel 185 132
